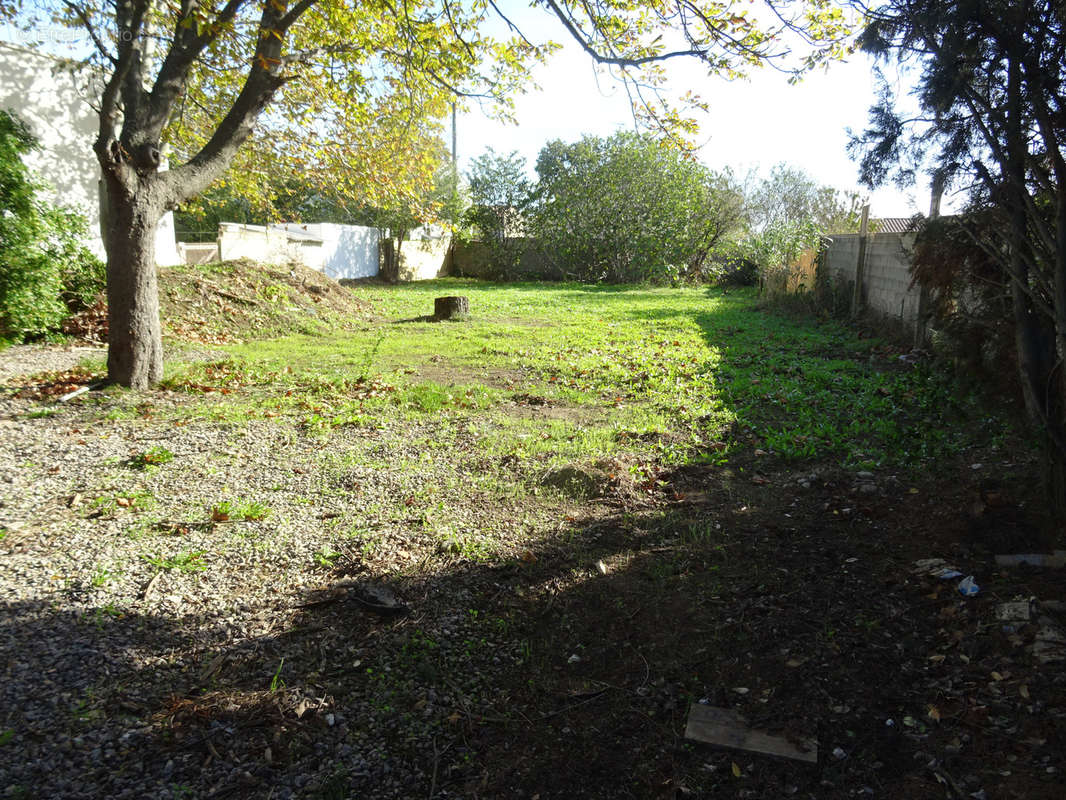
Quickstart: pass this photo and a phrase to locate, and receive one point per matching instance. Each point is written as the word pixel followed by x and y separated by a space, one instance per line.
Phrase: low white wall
pixel 424 259
pixel 339 251
pixel 266 245
pixel 348 251
pixel 198 252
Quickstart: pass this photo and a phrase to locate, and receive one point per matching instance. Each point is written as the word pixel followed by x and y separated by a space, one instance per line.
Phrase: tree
pixel 500 194
pixel 320 80
pixel 629 208
pixel 991 92
pixel 787 213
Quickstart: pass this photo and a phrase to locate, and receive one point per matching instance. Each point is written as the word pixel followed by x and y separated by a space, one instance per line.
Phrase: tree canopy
pixel 629 208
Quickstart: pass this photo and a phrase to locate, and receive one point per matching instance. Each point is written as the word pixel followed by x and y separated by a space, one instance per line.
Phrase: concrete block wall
pixel 475 260
pixel 887 286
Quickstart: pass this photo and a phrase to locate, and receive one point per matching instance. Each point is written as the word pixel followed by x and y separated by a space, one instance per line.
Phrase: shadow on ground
pixel 565 673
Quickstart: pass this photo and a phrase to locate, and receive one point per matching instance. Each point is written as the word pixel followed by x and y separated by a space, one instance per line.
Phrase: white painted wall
pixel 53 98
pixel 339 251
pixel 423 259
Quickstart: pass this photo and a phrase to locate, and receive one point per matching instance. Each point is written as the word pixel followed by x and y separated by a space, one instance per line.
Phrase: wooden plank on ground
pixel 723 727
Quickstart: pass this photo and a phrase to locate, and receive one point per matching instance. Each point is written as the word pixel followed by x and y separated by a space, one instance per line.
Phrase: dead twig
pixel 572 706
pixel 147 590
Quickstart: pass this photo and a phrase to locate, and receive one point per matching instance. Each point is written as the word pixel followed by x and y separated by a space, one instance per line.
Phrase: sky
pixel 752 124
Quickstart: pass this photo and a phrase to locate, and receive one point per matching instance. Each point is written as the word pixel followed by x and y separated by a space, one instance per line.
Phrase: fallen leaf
pixel 996 676
pixel 1023 690
pixel 123 502
pixel 454 717
pixel 736 770
pixel 934 713
pixel 759 480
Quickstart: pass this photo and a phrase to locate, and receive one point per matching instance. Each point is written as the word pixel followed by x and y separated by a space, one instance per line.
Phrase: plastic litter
pixel 968 586
pixel 946 573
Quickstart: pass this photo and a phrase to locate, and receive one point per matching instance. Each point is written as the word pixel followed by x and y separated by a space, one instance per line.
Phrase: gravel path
pixel 28 359
pixel 141 639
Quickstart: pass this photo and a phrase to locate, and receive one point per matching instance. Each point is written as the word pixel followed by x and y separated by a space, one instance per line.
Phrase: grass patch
pixel 185 561
pixel 246 510
pixel 561 371
pixel 152 457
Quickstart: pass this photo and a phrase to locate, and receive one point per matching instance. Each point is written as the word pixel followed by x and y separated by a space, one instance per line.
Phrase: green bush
pixel 45 270
pixel 629 209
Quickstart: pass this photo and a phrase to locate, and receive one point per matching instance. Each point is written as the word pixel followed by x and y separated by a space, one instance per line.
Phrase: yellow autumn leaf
pixel 736 770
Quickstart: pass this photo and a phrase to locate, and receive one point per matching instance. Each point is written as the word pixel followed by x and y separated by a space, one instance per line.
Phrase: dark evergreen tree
pixel 991 94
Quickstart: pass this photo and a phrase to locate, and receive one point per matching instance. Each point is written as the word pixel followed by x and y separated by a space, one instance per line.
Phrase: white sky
pixel 754 123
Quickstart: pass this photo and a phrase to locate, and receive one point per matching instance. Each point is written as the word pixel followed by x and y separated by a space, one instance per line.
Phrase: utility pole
pixel 860 264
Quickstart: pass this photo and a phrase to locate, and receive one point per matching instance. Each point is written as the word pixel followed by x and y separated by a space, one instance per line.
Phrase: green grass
pixel 560 372
pixel 185 561
pixel 247 510
pixel 152 457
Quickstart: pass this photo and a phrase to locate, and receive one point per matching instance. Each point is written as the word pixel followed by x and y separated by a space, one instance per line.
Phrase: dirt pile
pixel 235 300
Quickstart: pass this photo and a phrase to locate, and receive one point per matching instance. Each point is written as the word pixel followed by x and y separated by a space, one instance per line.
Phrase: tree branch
pixel 86 23
pixel 583 42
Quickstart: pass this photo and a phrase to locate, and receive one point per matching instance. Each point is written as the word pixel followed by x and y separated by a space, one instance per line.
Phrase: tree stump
pixel 450 307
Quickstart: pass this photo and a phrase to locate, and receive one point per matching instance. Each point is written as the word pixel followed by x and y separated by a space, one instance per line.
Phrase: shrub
pixel 45 270
pixel 627 208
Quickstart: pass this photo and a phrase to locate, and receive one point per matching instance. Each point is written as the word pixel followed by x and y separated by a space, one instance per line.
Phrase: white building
pixel 54 98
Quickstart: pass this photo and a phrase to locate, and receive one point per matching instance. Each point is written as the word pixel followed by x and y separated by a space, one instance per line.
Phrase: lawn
pixel 503 556
pixel 668 376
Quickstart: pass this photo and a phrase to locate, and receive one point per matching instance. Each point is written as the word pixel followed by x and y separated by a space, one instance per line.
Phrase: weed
pixel 326 557
pixel 185 561
pixel 6 736
pixel 276 682
pixel 466 545
pixel 101 577
pixel 104 613
pixel 369 542
pixel 40 413
pixel 248 511
pixel 152 457
pixel 107 505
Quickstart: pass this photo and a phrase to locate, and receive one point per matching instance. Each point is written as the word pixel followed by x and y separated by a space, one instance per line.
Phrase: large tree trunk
pixel 135 346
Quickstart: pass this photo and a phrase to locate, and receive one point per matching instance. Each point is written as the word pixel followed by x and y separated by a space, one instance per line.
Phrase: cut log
pixel 450 307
